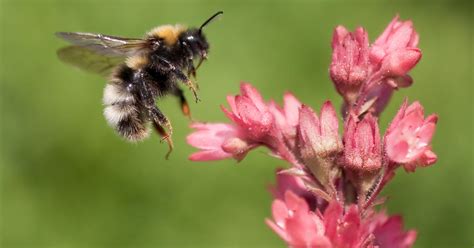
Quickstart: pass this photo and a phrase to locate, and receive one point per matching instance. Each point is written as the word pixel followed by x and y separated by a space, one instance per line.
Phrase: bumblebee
pixel 140 71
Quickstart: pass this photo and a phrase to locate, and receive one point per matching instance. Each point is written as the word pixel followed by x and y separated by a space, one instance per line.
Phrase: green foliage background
pixel 68 181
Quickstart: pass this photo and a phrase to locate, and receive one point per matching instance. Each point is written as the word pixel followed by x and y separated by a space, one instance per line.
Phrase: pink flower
pixel 254 123
pixel 388 232
pixel 362 148
pixel 296 224
pixel 395 52
pixel 250 113
pixel 286 118
pixel 218 141
pixel 397 36
pixel 339 227
pixel 318 143
pixel 391 57
pixel 349 66
pixel 345 229
pixel 318 136
pixel 407 140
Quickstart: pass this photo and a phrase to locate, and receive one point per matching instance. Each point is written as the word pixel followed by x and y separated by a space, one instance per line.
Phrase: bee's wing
pixel 89 60
pixel 105 44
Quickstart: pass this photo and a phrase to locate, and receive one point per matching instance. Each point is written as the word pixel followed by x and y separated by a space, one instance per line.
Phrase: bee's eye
pixel 190 38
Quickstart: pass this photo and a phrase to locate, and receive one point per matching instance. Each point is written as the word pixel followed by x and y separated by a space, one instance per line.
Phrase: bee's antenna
pixel 210 19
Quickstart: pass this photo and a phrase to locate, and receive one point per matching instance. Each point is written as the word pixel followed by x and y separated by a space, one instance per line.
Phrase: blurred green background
pixel 68 181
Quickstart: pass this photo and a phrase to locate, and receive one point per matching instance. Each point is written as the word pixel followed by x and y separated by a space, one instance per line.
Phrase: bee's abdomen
pixel 122 111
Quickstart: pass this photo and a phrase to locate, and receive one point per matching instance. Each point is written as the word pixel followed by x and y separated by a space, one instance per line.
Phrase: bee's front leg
pixel 192 73
pixel 164 65
pixel 188 82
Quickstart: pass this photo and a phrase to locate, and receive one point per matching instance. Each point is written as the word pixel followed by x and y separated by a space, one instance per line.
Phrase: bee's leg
pixel 183 78
pixel 162 132
pixel 159 120
pixel 193 69
pixel 192 73
pixel 157 116
pixel 166 66
pixel 182 100
pixel 147 99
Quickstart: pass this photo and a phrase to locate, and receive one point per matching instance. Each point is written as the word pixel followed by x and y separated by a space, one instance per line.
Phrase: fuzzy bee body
pixel 140 71
pixel 122 109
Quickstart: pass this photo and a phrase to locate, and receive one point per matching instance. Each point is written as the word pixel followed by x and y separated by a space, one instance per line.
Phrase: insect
pixel 139 72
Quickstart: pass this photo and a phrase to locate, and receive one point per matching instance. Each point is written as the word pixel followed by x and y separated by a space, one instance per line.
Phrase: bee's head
pixel 195 40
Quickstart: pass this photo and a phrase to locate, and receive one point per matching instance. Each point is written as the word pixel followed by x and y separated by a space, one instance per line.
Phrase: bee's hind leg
pixel 159 120
pixel 167 137
pixel 147 100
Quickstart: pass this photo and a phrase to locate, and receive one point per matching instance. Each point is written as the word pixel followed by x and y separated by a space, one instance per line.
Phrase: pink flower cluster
pixel 366 75
pixel 326 197
pixel 301 223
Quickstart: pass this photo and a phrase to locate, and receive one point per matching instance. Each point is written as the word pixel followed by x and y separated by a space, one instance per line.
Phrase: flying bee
pixel 140 71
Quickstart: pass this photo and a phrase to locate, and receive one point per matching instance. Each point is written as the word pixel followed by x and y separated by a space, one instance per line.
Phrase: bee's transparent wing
pixel 98 53
pixel 105 44
pixel 89 60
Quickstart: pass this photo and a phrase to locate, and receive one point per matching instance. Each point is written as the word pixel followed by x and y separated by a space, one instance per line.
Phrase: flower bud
pixel 395 51
pixel 318 142
pixel 362 148
pixel 349 66
pixel 398 35
pixel 319 135
pixel 392 56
